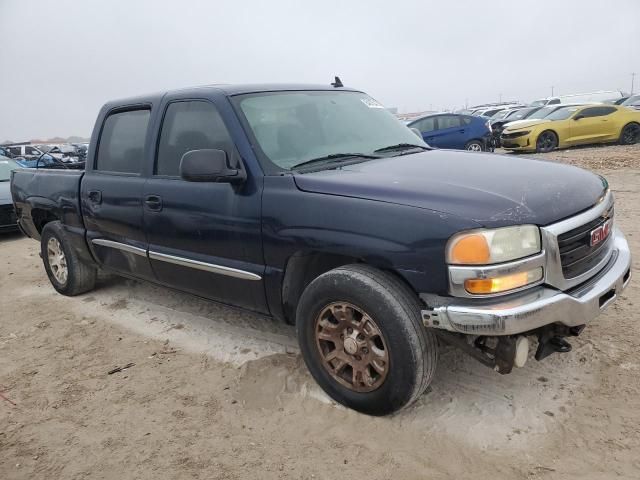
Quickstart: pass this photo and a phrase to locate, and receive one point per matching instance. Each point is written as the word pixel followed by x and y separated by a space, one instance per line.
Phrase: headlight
pixel 518 134
pixel 486 247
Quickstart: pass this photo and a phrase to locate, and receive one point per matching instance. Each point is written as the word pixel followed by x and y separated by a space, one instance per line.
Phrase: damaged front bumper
pixel 540 306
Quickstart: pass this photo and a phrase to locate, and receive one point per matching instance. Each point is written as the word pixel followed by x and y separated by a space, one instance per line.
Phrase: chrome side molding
pixel 120 246
pixel 207 267
pixel 184 262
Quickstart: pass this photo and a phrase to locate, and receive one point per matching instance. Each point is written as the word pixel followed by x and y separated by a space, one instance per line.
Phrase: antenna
pixel 337 83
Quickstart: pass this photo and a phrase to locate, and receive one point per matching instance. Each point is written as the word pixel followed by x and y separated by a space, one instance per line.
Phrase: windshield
pixel 500 114
pixel 542 113
pixel 294 127
pixel 633 100
pixel 6 166
pixel 520 114
pixel 561 113
pixel 539 103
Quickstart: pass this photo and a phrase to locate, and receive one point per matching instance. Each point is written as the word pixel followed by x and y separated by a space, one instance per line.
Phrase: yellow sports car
pixel 574 125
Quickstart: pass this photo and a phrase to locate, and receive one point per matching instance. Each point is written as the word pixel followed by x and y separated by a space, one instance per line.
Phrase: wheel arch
pixel 304 267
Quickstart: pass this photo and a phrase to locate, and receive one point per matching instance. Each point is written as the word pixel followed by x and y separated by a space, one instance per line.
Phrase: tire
pixel 547 141
pixel 58 256
pixel 474 146
pixel 374 299
pixel 630 134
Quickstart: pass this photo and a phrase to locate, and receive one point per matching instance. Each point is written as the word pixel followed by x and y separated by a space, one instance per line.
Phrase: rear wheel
pixel 474 146
pixel 630 134
pixel 547 141
pixel 66 272
pixel 362 338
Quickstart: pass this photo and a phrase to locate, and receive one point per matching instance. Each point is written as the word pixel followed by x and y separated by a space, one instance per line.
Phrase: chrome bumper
pixel 537 307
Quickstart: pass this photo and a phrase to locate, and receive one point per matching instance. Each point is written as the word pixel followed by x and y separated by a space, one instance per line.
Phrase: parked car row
pixel 481 128
pixel 47 156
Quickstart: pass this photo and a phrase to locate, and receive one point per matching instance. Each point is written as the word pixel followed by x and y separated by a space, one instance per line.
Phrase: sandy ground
pixel 220 394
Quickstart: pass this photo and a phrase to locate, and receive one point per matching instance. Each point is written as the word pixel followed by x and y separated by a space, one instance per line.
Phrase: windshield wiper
pixel 332 158
pixel 401 146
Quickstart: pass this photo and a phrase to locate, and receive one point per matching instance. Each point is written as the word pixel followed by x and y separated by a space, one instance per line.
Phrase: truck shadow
pixel 465 400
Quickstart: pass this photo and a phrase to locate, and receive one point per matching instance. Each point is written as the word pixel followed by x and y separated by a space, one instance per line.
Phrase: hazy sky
pixel 62 59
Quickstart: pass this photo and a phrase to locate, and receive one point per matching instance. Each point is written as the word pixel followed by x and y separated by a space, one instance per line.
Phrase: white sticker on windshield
pixel 371 103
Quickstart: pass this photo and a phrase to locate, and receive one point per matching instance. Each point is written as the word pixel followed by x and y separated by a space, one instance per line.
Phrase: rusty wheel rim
pixel 57 260
pixel 352 347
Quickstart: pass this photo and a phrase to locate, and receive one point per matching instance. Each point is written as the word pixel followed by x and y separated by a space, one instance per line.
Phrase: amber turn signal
pixel 470 250
pixel 483 286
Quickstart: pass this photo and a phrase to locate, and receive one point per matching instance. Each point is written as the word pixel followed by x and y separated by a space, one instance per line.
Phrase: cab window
pixel 189 125
pixel 121 145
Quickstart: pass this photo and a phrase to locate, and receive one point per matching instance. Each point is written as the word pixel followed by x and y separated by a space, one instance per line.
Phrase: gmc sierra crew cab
pixel 315 205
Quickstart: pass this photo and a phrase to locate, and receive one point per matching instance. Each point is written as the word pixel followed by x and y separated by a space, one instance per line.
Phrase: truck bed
pixel 38 193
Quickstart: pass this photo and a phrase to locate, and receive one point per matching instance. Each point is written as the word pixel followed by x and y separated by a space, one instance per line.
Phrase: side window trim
pixel 154 169
pixel 169 103
pixel 114 111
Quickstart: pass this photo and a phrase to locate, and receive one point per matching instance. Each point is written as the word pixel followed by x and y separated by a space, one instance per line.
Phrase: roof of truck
pixel 227 89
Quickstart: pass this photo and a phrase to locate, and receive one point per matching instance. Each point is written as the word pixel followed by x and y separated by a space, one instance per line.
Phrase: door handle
pixel 95 196
pixel 153 202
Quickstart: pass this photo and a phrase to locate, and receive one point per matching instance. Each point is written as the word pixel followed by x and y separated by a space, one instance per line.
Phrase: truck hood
pixel 489 189
pixel 5 193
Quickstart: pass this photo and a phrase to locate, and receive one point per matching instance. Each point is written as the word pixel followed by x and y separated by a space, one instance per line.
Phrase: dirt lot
pixel 220 394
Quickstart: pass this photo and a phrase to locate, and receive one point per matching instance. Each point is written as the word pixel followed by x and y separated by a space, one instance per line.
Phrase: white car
pixel 591 97
pixel 632 102
pixel 25 151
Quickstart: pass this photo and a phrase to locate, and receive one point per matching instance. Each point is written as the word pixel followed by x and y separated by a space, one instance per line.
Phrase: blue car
pixel 460 132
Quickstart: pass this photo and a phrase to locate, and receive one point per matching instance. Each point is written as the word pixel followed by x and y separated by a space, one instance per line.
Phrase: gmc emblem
pixel 600 233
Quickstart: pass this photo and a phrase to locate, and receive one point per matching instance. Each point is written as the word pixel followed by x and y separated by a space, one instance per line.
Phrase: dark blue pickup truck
pixel 315 205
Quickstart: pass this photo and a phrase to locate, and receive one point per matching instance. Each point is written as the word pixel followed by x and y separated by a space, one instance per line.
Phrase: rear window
pixel 121 145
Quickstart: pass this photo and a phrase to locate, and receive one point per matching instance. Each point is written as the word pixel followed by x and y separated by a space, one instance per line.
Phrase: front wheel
pixel 630 134
pixel 474 146
pixel 67 273
pixel 362 338
pixel 547 141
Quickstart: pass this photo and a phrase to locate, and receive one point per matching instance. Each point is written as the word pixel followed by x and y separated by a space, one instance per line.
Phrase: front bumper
pixel 539 306
pixel 519 143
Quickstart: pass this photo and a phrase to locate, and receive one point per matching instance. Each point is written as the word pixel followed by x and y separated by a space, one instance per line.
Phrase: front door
pixel 204 237
pixel 111 194
pixel 591 125
pixel 451 132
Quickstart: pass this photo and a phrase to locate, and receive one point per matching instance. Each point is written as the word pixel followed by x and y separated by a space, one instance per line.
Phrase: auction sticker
pixel 371 103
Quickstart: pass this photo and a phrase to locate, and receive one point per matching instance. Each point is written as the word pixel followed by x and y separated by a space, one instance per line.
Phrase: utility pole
pixel 552 90
pixel 500 98
pixel 633 77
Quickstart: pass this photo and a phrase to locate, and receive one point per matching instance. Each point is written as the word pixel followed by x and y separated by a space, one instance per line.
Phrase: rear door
pixel 111 193
pixel 204 237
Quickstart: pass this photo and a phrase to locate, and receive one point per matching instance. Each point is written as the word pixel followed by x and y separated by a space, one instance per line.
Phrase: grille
pixel 509 136
pixel 7 215
pixel 576 253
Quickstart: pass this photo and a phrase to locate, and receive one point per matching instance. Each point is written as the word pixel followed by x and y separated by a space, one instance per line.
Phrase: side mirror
pixel 578 117
pixel 208 165
pixel 417 132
